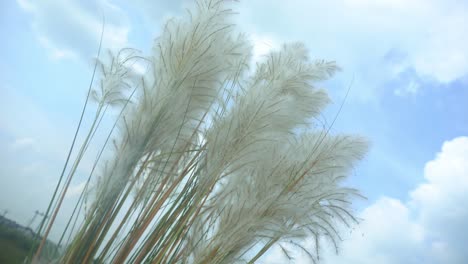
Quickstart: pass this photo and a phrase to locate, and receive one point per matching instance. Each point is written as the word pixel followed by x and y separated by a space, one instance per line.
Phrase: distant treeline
pixel 16 242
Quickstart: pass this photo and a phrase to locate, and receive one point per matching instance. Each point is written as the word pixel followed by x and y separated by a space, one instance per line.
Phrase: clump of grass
pixel 210 164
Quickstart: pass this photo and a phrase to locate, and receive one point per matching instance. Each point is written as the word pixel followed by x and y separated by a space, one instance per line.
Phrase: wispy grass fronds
pixel 209 165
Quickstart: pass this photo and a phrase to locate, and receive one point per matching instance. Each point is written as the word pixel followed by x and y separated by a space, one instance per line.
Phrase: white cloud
pixel 262 45
pixel 430 37
pixel 54 52
pixel 67 29
pixel 24 143
pixel 412 88
pixel 75 190
pixel 157 10
pixel 429 228
pixel 441 201
pixel 387 235
pixel 31 127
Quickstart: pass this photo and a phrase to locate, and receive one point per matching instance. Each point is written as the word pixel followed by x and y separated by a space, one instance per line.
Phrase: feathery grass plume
pixel 117 77
pixel 192 62
pixel 209 165
pixel 271 176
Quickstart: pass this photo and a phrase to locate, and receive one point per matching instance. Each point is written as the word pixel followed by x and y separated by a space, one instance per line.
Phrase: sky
pixel 405 61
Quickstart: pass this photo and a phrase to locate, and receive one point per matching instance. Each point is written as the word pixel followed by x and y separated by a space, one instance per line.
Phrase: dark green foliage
pixel 14 246
pixel 16 242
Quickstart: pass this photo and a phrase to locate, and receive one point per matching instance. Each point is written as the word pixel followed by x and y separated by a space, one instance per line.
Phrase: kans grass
pixel 212 161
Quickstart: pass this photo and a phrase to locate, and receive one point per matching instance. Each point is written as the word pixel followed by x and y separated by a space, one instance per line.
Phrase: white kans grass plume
pixel 209 161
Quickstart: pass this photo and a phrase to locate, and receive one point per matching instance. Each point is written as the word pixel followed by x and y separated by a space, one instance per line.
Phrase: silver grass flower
pixel 210 164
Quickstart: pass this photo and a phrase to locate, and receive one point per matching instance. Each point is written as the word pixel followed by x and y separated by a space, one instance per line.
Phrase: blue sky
pixel 406 62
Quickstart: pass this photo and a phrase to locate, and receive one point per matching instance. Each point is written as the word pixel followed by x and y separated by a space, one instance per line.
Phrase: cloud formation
pixel 72 29
pixel 429 228
pixel 441 202
pixel 377 41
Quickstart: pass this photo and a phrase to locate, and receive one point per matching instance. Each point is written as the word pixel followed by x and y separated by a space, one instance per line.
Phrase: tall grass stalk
pixel 54 204
pixel 211 163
